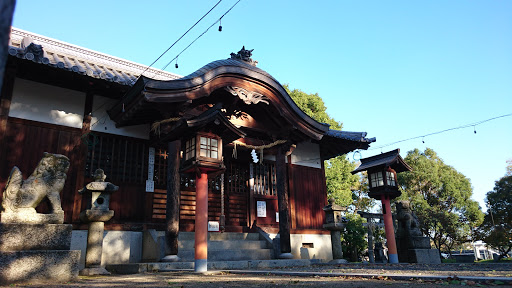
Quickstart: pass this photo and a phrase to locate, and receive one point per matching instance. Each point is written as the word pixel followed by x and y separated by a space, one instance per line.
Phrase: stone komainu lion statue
pixel 408 223
pixel 21 197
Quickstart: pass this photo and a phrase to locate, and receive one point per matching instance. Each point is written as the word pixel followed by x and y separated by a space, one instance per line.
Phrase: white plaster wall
pixel 322 248
pixel 102 123
pixel 307 154
pixel 46 103
pixel 119 247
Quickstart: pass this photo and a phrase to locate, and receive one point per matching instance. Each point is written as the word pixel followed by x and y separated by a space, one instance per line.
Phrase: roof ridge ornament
pixel 244 55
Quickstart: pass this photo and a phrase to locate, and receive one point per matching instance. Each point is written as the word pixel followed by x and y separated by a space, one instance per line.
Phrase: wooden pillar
pixel 5 106
pixel 282 200
pixel 172 216
pixel 80 157
pixel 201 223
pixel 390 231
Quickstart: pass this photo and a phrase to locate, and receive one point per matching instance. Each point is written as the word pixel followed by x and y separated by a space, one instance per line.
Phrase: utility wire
pixel 177 40
pixel 201 35
pixel 147 68
pixel 442 131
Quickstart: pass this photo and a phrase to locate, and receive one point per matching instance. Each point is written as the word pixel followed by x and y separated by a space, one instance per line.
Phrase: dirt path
pixel 228 280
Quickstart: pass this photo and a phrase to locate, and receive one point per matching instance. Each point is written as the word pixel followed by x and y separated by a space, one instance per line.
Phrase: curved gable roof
pixel 216 75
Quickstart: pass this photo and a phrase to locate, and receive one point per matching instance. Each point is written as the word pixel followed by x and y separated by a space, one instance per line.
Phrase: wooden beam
pixel 81 156
pixel 173 197
pixel 282 199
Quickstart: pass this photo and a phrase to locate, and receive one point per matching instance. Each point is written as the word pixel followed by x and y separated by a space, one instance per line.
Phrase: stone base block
pixel 464 258
pixel 91 271
pixel 38 266
pixel 420 243
pixel 19 237
pixel 29 215
pixel 424 256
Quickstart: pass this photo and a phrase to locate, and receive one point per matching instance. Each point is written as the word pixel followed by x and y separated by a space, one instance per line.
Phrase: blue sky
pixel 395 69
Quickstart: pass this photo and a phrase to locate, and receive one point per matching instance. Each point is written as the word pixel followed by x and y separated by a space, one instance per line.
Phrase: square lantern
pixel 382 170
pixel 202 150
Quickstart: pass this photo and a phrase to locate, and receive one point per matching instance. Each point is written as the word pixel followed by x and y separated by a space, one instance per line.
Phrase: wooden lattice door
pixel 236 193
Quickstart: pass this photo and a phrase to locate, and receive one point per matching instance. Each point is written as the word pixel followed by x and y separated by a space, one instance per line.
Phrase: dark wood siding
pixel 23 146
pixel 309 196
pixel 25 142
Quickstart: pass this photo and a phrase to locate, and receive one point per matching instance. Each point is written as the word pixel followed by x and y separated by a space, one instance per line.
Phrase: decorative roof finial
pixel 244 55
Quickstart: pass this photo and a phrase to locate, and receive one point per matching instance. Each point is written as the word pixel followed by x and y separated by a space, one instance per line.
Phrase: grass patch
pixel 503 260
pixel 448 261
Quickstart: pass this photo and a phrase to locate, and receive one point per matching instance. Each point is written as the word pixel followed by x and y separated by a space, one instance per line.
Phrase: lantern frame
pixel 198 151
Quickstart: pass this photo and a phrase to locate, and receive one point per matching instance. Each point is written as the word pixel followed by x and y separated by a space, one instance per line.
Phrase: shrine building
pixel 154 134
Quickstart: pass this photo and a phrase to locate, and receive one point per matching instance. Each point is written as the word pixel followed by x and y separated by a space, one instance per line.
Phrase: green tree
pixel 353 240
pixel 441 198
pixel 496 229
pixel 340 182
pixel 360 199
pixel 313 106
pixel 509 167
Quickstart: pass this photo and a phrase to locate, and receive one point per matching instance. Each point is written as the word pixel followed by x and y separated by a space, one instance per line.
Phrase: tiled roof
pixel 354 136
pixel 81 60
pixel 389 159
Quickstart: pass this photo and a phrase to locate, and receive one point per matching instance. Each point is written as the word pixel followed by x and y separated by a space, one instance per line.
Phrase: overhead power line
pixel 201 35
pixel 474 124
pixel 167 50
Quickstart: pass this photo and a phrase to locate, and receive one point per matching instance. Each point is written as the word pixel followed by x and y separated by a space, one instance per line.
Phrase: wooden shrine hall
pixel 235 124
pixel 157 136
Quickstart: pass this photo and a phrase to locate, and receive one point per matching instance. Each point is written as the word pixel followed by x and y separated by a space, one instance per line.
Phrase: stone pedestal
pixel 416 249
pixel 335 228
pixel 37 253
pixel 96 219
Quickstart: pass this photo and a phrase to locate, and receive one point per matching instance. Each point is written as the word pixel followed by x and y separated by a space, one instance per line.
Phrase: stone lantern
pixel 96 214
pixel 382 170
pixel 335 222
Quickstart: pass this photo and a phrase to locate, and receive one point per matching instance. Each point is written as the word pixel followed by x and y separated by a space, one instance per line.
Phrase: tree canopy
pixel 441 198
pixel 496 229
pixel 313 106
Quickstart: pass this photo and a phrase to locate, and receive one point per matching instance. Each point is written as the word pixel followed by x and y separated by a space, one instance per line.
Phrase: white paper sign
pixel 151 171
pixel 151 159
pixel 150 186
pixel 277 217
pixel 213 226
pixel 261 208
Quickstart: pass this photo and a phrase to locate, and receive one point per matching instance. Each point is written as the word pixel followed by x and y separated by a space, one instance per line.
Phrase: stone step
pixel 226 244
pixel 229 255
pixel 217 236
pixel 212 265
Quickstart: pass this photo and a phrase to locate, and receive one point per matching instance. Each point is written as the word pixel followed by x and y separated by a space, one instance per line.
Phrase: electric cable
pixel 474 124
pixel 167 50
pixel 201 35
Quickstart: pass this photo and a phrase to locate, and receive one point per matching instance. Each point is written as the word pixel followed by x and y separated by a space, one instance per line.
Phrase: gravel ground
pixel 470 269
pixel 228 280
